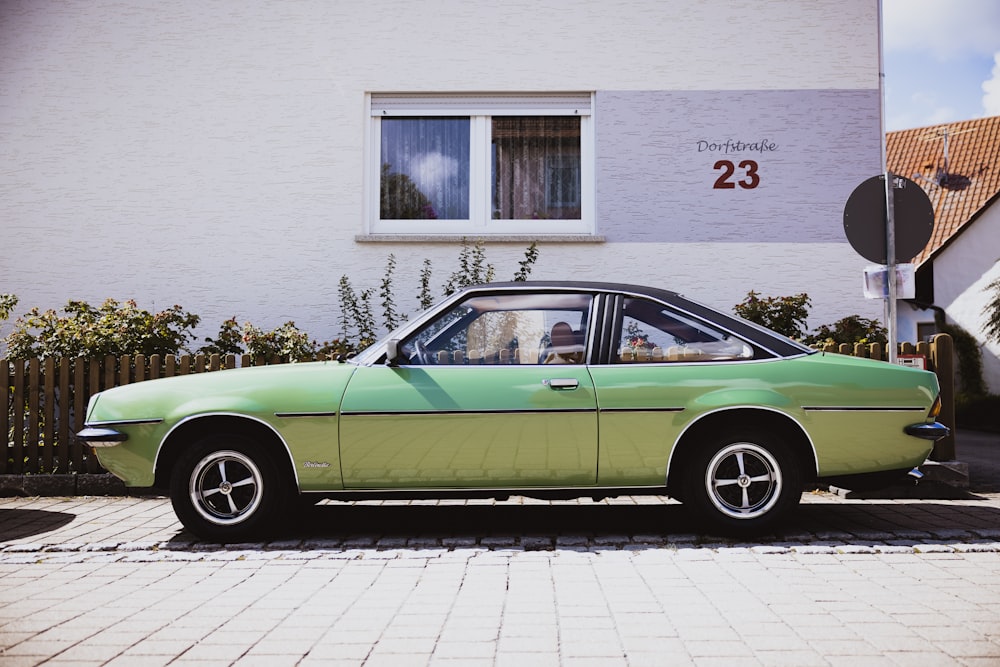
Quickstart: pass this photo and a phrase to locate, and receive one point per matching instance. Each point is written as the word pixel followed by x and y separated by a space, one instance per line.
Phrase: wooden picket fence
pixel 46 399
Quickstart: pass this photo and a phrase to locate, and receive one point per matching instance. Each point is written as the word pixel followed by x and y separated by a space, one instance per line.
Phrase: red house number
pixel 750 179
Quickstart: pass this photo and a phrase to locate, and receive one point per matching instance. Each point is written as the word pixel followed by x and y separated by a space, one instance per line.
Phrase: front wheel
pixel 226 488
pixel 743 484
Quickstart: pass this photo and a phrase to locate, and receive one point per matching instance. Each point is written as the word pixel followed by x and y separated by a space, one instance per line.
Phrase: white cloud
pixel 430 171
pixel 991 89
pixel 945 28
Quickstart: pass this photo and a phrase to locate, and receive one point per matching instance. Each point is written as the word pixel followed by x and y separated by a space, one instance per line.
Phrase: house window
pixel 481 164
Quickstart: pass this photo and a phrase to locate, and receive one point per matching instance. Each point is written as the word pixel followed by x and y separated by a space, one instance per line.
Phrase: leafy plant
pixel 992 312
pixel 530 257
pixel 357 321
pixel 391 318
pixel 229 341
pixel 785 314
pixel 425 298
pixel 472 268
pixel 356 317
pixel 7 304
pixel 850 329
pixel 114 328
pixel 286 342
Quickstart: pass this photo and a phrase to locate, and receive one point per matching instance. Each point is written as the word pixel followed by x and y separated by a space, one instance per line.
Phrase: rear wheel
pixel 743 484
pixel 227 488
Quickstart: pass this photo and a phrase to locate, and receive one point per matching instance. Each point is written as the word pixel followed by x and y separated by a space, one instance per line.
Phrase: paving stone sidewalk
pixel 38 529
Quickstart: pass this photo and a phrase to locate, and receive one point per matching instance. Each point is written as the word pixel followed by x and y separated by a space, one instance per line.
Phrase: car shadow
pixel 545 526
pixel 20 523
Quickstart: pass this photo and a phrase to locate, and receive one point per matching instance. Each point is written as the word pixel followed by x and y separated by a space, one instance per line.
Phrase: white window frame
pixel 479 108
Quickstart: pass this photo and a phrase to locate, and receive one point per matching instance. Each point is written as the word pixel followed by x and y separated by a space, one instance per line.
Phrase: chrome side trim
pixel 291 415
pixel 849 408
pixel 431 413
pixel 641 410
pixel 124 422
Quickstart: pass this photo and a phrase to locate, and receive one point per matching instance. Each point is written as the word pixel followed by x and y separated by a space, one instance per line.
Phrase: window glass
pixel 424 169
pixel 536 168
pixel 509 329
pixel 654 334
pixel 480 164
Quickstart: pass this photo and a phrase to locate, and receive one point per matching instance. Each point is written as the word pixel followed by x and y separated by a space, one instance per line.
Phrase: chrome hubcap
pixel 743 480
pixel 225 487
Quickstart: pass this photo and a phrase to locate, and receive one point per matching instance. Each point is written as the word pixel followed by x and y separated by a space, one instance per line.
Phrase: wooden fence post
pixel 5 392
pixel 943 361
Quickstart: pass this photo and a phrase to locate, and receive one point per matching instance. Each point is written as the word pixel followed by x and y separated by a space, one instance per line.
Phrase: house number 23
pixel 750 179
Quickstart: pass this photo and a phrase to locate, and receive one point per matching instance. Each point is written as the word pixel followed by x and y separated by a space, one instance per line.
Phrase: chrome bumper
pixel 101 437
pixel 934 431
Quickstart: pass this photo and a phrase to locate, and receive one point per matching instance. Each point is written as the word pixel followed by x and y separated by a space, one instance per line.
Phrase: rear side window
pixel 652 333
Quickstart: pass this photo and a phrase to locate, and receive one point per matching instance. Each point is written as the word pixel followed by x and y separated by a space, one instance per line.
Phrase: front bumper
pixel 932 431
pixel 101 437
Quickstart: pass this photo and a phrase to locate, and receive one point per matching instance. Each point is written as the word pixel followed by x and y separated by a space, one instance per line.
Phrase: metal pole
pixel 890 262
pixel 890 217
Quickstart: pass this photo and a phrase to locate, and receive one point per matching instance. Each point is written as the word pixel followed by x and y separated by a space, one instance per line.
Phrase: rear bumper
pixel 934 431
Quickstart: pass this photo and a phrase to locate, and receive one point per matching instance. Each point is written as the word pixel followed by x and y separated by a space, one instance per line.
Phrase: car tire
pixel 227 488
pixel 743 484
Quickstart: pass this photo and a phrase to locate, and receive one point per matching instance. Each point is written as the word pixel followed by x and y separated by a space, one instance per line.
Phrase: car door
pixel 658 363
pixel 472 402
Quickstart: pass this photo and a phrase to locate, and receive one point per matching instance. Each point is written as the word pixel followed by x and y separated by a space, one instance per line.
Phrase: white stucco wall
pixel 211 154
pixel 961 273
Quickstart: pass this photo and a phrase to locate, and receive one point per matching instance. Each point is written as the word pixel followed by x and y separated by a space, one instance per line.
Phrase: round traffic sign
pixel 865 219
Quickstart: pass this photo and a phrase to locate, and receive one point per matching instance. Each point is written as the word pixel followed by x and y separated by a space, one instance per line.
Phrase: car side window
pixel 651 333
pixel 507 329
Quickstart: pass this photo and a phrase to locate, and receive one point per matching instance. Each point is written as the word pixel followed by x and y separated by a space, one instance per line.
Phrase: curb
pixel 83 484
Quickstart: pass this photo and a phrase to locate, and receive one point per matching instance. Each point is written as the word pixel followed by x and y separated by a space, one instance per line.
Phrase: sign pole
pixel 890 261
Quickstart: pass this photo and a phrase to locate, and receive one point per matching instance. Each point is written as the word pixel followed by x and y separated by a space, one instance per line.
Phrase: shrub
pixel 850 329
pixel 7 303
pixel 785 314
pixel 114 328
pixel 357 322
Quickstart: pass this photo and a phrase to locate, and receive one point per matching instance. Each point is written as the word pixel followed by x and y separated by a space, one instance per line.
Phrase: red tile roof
pixel 970 182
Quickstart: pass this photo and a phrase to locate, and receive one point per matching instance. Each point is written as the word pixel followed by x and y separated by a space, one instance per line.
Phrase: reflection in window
pixel 536 168
pixel 505 330
pixel 652 334
pixel 425 169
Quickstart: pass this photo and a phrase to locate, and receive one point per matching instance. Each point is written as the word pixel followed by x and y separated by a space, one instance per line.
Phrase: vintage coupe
pixel 546 389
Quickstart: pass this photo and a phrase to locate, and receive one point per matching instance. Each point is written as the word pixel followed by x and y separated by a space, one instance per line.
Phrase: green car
pixel 545 389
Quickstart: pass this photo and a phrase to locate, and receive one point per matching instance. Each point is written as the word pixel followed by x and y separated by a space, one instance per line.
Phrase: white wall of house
pixel 962 272
pixel 212 154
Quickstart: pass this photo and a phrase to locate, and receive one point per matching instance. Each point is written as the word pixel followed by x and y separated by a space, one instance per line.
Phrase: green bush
pixel 785 314
pixel 850 329
pixel 114 328
pixel 357 320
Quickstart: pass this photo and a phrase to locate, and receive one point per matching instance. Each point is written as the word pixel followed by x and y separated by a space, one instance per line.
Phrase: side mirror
pixel 392 352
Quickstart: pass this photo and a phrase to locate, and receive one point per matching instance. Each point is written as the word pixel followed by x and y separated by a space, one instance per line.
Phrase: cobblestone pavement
pixel 116 581
pixel 895 581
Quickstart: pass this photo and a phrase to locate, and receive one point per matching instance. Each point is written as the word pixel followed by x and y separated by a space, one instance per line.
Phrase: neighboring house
pixel 958 166
pixel 238 158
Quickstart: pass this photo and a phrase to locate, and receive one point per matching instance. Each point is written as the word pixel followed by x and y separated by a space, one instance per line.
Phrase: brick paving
pixel 852 581
pixel 117 581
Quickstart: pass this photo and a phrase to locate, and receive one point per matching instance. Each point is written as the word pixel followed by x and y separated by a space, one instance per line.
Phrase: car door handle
pixel 559 384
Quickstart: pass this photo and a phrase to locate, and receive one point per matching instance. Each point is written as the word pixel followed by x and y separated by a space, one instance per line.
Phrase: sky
pixel 941 61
